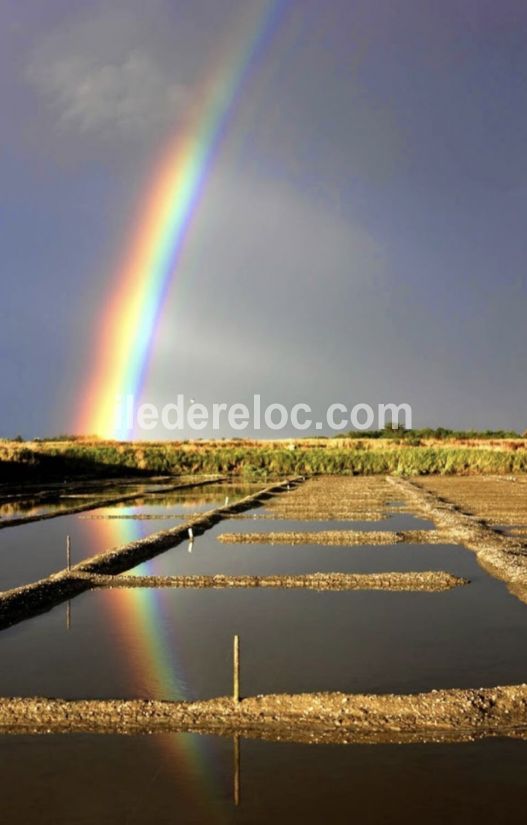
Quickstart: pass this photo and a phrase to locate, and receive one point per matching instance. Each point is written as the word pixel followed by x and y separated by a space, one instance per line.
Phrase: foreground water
pixel 177 644
pixel 165 643
pixel 186 778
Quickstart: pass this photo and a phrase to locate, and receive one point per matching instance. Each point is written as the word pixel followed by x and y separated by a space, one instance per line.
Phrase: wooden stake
pixel 236 669
pixel 68 552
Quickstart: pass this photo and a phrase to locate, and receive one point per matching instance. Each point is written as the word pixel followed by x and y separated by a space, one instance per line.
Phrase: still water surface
pixel 32 551
pixel 177 644
pixel 186 778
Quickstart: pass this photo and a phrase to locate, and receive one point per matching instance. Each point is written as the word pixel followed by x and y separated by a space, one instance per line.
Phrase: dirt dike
pixel 428 581
pixel 504 557
pixel 336 538
pixel 442 715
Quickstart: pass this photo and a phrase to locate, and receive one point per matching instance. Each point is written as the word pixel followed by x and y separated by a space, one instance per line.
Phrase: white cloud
pixel 131 96
pixel 106 74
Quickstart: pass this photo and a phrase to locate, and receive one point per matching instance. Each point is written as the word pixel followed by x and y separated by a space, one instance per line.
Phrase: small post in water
pixel 236 669
pixel 68 552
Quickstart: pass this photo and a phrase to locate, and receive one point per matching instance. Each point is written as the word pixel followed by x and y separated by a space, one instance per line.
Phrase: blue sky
pixel 361 238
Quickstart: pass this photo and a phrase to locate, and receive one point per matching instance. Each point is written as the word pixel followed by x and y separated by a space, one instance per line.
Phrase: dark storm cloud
pixel 362 236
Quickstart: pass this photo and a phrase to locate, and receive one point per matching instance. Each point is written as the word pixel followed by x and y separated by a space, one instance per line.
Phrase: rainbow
pixel 125 336
pixel 150 651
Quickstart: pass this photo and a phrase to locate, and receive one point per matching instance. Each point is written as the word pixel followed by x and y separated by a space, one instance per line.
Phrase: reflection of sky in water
pixel 280 782
pixel 32 551
pixel 166 643
pixel 206 555
pixel 177 643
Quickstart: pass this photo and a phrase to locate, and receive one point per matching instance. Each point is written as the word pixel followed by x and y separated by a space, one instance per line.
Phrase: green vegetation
pixel 439 433
pixel 410 461
pixel 256 459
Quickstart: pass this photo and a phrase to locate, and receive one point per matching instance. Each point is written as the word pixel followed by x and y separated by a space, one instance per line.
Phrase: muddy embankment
pixel 504 557
pixel 443 715
pixel 336 538
pixel 428 582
